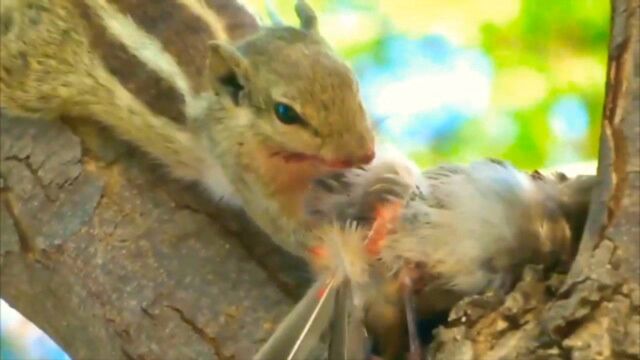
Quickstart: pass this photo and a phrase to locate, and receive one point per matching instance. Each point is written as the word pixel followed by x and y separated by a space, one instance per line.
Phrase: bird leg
pixel 408 290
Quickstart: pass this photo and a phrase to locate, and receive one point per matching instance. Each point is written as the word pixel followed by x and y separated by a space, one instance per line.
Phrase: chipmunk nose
pixel 350 150
pixel 371 154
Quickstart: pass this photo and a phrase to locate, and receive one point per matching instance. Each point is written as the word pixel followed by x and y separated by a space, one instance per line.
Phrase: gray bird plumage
pixel 460 230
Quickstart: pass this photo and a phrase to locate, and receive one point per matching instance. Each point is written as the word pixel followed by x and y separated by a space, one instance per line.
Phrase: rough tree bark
pixel 115 261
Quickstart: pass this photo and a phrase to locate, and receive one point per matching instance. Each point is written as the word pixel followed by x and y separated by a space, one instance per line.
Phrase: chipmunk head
pixel 291 91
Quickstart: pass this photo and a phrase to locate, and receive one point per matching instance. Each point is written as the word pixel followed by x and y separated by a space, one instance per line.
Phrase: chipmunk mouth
pixel 298 157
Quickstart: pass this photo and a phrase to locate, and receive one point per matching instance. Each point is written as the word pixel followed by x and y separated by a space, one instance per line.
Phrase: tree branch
pixel 104 259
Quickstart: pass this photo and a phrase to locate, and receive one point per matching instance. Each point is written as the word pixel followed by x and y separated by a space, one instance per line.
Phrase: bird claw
pixel 415 348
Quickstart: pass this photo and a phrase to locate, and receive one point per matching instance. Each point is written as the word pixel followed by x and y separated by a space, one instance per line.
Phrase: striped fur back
pixel 157 49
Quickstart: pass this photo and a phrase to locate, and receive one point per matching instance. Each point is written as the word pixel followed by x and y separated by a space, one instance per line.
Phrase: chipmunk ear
pixel 308 18
pixel 228 71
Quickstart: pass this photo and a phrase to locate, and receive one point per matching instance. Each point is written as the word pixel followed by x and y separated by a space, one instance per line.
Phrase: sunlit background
pixel 456 80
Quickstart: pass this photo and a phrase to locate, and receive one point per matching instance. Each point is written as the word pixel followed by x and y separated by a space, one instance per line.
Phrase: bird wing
pixel 348 336
pixel 301 329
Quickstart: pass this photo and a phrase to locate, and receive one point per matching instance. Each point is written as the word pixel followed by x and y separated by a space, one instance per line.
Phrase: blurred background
pixel 456 80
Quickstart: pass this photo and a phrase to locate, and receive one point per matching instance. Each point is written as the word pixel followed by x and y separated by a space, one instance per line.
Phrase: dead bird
pixel 393 244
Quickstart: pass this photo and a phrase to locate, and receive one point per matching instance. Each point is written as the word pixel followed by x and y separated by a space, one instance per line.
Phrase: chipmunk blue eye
pixel 286 114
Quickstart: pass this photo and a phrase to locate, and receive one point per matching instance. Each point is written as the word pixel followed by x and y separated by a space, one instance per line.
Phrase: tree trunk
pixel 115 261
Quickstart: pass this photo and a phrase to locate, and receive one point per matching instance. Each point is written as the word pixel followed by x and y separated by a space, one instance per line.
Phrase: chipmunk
pixel 405 245
pixel 253 120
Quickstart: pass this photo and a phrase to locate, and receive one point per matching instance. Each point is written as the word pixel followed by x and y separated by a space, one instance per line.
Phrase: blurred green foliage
pixel 566 43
